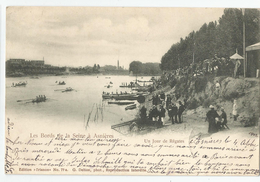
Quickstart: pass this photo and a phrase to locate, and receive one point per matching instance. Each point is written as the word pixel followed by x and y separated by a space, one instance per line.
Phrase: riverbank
pixel 202 92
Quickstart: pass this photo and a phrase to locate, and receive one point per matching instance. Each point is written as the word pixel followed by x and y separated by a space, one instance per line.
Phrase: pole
pixel 244 41
pixel 193 58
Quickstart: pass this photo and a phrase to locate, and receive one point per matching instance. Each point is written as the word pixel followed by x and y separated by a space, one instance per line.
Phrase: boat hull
pixel 121 103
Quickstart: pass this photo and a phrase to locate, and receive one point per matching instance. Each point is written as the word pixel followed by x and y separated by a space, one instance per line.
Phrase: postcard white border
pixel 111 3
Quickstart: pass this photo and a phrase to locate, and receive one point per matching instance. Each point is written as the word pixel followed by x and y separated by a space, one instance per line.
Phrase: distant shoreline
pixel 98 74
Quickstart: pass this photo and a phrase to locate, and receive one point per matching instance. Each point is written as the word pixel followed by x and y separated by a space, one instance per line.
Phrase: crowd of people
pixel 214 66
pixel 161 104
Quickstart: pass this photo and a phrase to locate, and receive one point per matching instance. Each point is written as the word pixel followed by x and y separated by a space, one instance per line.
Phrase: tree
pixel 221 38
pixel 135 67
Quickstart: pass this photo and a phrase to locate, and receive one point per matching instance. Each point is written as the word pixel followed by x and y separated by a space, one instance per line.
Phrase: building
pixel 37 63
pixel 25 63
pixel 253 60
pixel 15 61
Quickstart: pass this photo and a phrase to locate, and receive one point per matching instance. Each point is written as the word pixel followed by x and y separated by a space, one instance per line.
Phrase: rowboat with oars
pixel 19 84
pixel 68 89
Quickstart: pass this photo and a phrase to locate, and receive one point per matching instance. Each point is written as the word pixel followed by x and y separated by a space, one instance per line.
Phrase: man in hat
pixel 168 101
pixel 174 113
pixel 161 114
pixel 162 96
pixel 223 117
pixel 143 114
pixel 154 113
pixel 180 111
pixel 211 118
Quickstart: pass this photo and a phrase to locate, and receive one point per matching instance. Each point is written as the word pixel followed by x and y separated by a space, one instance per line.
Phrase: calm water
pixel 66 109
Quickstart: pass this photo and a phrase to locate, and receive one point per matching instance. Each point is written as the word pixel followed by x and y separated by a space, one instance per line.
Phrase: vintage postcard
pixel 132 91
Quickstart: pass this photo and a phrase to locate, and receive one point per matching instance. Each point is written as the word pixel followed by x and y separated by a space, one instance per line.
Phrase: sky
pixel 81 36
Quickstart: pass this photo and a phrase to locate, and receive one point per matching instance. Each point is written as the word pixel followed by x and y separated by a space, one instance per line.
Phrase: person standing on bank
pixel 162 96
pixel 168 101
pixel 175 112
pixel 170 112
pixel 211 115
pixel 162 114
pixel 180 111
pixel 143 114
pixel 234 112
pixel 224 119
pixel 154 113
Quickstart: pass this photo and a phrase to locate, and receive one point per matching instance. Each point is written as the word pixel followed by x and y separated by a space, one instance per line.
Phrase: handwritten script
pixel 76 153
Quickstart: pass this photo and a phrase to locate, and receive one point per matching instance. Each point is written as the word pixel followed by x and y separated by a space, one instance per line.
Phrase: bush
pixel 193 104
pixel 207 102
pixel 200 84
pixel 233 95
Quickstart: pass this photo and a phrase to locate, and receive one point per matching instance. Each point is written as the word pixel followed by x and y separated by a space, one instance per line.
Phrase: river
pixel 65 110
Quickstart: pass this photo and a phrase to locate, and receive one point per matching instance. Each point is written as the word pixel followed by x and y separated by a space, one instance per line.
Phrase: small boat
pixel 130 107
pixel 34 77
pixel 68 89
pixel 62 83
pixel 122 96
pixel 129 85
pixel 19 84
pixel 108 86
pixel 37 101
pixel 121 102
pixel 144 81
pixel 142 88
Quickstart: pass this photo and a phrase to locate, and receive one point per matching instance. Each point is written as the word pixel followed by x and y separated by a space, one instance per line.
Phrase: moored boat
pixel 120 102
pixel 130 107
pixel 122 96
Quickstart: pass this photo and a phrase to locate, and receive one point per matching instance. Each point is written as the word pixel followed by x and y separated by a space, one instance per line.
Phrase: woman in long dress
pixel 211 115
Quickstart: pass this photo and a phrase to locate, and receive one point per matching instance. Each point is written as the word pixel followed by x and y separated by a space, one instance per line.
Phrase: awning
pixel 236 56
pixel 253 47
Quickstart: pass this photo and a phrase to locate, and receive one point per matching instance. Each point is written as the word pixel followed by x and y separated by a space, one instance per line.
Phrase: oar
pixel 59 89
pixel 50 99
pixel 23 100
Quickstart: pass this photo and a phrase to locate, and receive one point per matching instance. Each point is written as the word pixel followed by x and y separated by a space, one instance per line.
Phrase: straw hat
pixel 211 107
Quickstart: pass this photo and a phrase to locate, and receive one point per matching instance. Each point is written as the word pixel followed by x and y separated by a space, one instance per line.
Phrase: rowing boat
pixel 121 102
pixel 130 107
pixel 19 84
pixel 120 96
pixel 67 90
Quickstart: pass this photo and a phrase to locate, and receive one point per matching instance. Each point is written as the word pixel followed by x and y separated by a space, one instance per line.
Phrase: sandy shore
pixel 194 122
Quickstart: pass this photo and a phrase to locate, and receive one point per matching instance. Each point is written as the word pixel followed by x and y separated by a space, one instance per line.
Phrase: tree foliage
pixel 138 67
pixel 222 38
pixel 135 67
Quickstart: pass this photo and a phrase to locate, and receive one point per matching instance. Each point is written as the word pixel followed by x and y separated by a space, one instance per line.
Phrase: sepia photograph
pixel 132 91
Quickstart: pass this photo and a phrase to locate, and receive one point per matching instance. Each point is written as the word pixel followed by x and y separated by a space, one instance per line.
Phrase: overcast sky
pixel 80 36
